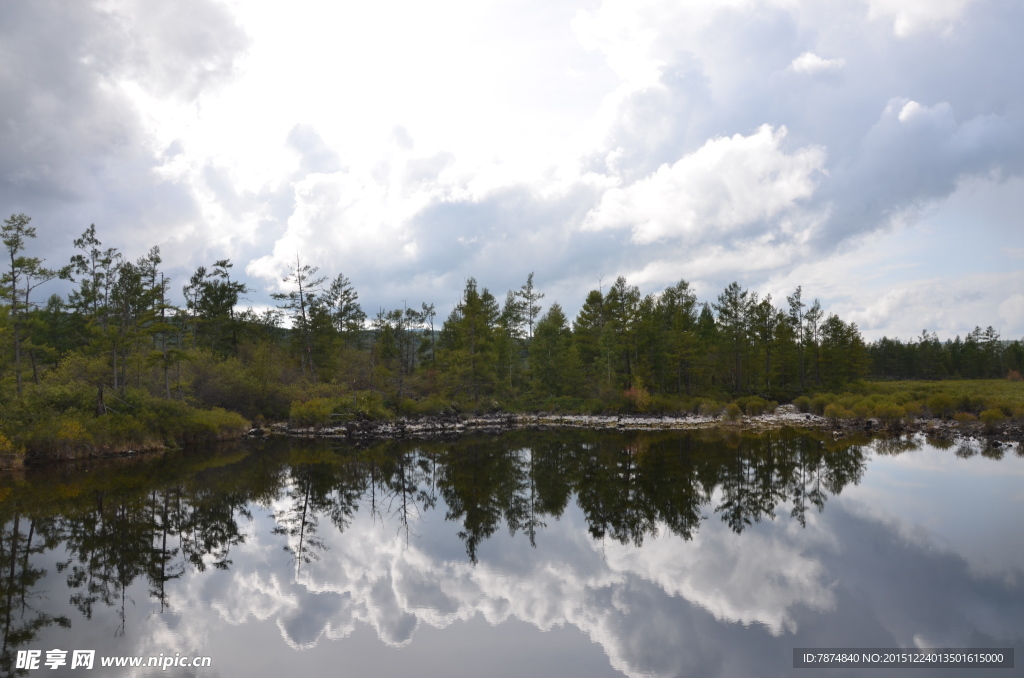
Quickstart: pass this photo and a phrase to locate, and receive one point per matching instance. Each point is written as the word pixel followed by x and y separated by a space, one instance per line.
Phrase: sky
pixel 870 151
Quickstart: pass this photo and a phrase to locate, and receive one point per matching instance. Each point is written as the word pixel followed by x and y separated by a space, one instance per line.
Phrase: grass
pixel 993 400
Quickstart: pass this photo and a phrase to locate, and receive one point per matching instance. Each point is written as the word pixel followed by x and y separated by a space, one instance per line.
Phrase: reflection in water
pixel 365 532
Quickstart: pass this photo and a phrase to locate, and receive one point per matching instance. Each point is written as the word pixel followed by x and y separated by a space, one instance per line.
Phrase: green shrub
pixel 941 405
pixel 992 418
pixel 965 417
pixel 818 404
pixel 710 408
pixel 316 412
pixel 367 404
pixel 434 405
pixel 803 404
pixel 118 430
pixel 914 409
pixel 752 405
pixel 890 414
pixel 834 413
pixel 213 423
pixel 969 403
pixel 733 412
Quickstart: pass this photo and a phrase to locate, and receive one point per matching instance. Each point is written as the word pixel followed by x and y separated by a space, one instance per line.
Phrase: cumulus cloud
pixel 655 138
pixel 911 16
pixel 809 62
pixel 75 147
pixel 1011 312
pixel 726 184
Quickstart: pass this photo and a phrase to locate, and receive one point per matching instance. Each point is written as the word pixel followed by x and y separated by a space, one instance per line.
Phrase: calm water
pixel 529 554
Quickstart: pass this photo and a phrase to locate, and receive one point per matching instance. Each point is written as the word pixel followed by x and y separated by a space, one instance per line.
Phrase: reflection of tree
pixel 474 483
pixel 22 622
pixel 673 485
pixel 747 489
pixel 610 492
pixel 161 568
pixel 524 510
pixel 154 525
pixel 405 479
pixel 110 547
pixel 299 522
pixel 805 481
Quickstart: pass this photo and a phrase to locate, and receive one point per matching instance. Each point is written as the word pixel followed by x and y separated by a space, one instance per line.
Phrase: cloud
pixel 727 184
pixel 912 16
pixel 75 147
pixel 809 62
pixel 1011 312
pixel 655 138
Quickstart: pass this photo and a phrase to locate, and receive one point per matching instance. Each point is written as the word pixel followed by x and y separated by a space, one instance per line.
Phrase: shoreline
pixel 1007 433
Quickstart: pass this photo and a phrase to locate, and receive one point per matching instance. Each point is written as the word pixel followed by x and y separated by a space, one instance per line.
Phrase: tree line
pixel 118 341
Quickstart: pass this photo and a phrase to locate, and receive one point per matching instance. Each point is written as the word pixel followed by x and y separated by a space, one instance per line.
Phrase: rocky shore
pixel 1009 433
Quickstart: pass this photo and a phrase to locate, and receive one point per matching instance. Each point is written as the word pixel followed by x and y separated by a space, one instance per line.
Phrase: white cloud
pixel 911 16
pixel 348 218
pixel 728 183
pixel 1011 311
pixel 517 119
pixel 809 62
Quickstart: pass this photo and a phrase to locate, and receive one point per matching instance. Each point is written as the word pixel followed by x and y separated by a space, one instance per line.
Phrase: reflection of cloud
pixel 255 595
pixel 909 494
pixel 750 579
pixel 621 597
pixel 869 567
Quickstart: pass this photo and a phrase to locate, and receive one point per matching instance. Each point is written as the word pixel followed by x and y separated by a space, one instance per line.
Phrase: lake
pixel 532 553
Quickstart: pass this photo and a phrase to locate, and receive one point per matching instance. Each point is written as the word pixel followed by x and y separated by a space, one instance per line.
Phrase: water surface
pixel 529 554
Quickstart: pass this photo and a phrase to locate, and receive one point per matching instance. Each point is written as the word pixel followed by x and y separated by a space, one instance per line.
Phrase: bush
pixel 834 413
pixel 433 405
pixel 366 404
pixel 316 412
pixel 969 403
pixel 941 405
pixel 964 417
pixel 639 397
pixel 709 408
pixel 992 418
pixel 71 431
pixel 752 405
pixel 890 414
pixel 803 404
pixel 213 423
pixel 914 409
pixel 8 449
pixel 733 412
pixel 818 404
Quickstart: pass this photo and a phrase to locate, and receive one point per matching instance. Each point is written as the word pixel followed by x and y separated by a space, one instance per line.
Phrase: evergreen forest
pixel 126 360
